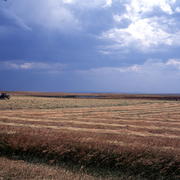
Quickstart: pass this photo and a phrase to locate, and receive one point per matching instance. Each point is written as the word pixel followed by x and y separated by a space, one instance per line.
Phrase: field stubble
pixel 136 137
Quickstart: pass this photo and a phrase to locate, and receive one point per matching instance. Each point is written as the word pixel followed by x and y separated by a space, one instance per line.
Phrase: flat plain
pixel 94 138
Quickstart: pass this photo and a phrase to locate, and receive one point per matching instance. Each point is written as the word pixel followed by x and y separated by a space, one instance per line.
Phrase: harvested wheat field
pixel 92 138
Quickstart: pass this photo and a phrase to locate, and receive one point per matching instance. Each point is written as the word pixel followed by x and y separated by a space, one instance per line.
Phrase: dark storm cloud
pixel 104 39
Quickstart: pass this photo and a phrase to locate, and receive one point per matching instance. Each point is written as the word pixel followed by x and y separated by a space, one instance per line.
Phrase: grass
pixel 19 169
pixel 23 102
pixel 15 169
pixel 100 138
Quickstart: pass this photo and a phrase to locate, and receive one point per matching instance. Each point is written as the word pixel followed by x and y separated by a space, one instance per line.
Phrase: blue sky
pixel 90 46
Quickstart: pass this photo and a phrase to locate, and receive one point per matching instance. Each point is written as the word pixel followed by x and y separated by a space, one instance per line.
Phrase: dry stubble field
pixel 94 138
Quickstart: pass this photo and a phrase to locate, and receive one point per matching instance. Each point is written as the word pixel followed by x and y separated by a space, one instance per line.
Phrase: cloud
pixel 143 33
pixel 9 19
pixel 47 14
pixel 148 66
pixel 153 76
pixel 106 70
pixel 108 3
pixel 177 9
pixel 150 26
pixel 139 7
pixel 37 66
pixel 59 15
pixel 173 63
pixel 90 4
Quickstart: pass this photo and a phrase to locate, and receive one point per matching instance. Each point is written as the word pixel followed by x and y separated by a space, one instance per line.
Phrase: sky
pixel 122 46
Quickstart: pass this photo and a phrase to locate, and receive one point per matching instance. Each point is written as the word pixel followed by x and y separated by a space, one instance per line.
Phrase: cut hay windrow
pixel 124 128
pixel 103 131
pixel 89 122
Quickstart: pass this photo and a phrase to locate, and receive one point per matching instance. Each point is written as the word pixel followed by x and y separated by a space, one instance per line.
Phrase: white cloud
pixel 153 76
pixel 104 52
pixel 68 1
pixel 173 63
pixel 138 7
pixel 145 31
pixel 108 3
pixel 38 66
pixel 177 9
pixel 148 67
pixel 90 4
pixel 107 70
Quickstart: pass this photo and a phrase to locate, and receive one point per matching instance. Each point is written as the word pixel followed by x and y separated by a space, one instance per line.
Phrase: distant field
pixel 172 97
pixel 31 102
pixel 138 137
